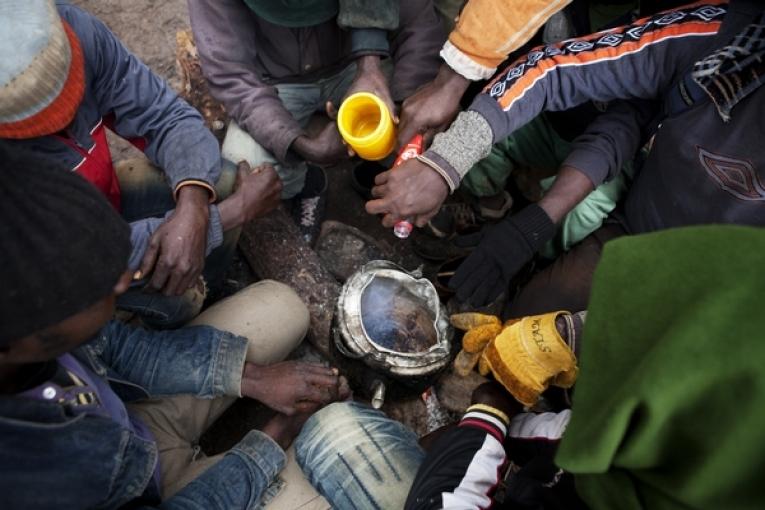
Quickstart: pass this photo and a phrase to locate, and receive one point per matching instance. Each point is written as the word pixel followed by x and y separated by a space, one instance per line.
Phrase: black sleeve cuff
pixel 369 41
pixel 535 225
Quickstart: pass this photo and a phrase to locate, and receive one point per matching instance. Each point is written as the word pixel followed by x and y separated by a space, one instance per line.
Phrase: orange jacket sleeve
pixel 488 30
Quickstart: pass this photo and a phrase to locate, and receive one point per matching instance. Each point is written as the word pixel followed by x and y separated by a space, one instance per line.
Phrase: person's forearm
pixel 571 327
pixel 415 47
pixel 603 68
pixel 368 63
pixel 451 81
pixel 571 186
pixel 231 213
pixel 383 14
pixel 612 139
pixel 193 198
pixel 304 147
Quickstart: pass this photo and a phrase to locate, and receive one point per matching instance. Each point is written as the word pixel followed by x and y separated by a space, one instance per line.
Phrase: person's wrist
pixel 194 198
pixel 251 381
pixel 534 224
pixel 231 212
pixel 192 205
pixel 450 185
pixel 451 82
pixel 303 145
pixel 491 394
pixel 368 63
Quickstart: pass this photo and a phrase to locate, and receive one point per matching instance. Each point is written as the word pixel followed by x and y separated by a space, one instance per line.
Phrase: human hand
pixel 480 329
pixel 528 356
pixel 326 148
pixel 175 255
pixel 503 249
pixel 256 192
pixel 411 191
pixel 370 78
pixel 292 387
pixel 494 395
pixel 433 107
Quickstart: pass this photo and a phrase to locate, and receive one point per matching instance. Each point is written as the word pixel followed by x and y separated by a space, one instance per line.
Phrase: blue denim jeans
pixel 357 457
pixel 146 194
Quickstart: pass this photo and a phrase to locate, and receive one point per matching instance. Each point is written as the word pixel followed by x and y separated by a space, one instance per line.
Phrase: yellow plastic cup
pixel 366 125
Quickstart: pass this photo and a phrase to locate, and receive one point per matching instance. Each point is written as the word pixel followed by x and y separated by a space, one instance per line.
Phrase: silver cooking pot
pixel 393 322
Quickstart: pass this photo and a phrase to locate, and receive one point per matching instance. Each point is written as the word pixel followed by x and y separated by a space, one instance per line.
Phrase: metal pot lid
pixel 393 319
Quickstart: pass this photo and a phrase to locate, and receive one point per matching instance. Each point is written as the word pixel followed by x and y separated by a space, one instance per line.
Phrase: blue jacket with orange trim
pixel 700 154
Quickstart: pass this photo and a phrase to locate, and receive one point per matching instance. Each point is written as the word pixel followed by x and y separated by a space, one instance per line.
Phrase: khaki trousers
pixel 274 320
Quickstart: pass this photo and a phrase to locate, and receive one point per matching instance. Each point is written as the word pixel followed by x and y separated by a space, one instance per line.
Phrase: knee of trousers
pixel 358 457
pixel 269 313
pixel 289 308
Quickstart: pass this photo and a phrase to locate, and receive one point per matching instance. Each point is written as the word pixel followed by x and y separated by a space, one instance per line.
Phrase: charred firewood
pixel 274 249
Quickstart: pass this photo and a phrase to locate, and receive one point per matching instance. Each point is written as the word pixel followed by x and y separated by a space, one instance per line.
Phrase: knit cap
pixel 294 13
pixel 42 74
pixel 63 247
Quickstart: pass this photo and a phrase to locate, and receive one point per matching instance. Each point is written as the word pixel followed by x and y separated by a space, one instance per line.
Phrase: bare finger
pixel 421 220
pixel 427 137
pixel 321 380
pixel 343 388
pixel 307 407
pixel 379 191
pixel 316 368
pixel 389 220
pixel 159 276
pixel 243 166
pixel 331 110
pixel 378 206
pixel 174 285
pixel 382 177
pixel 316 394
pixel 149 258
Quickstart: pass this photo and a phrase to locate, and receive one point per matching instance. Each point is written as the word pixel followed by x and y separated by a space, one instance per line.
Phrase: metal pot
pixel 392 321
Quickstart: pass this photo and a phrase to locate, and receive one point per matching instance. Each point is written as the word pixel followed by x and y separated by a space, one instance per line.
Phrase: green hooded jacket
pixel 669 408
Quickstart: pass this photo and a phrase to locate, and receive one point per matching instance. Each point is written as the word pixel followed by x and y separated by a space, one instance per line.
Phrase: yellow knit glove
pixel 480 330
pixel 528 356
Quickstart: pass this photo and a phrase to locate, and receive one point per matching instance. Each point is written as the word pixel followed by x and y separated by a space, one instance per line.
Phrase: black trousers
pixel 565 284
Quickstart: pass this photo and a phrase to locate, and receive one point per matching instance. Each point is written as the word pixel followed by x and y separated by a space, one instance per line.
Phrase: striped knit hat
pixel 42 74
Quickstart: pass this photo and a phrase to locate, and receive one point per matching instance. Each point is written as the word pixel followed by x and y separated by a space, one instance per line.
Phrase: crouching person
pixel 96 414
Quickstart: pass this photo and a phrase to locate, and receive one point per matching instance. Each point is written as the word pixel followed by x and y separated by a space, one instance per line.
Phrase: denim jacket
pixel 50 459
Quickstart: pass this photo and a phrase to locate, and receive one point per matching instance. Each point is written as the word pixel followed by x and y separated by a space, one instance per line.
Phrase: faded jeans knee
pixel 357 457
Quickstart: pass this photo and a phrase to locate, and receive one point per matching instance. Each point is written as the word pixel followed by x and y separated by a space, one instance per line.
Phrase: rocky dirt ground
pixel 148 28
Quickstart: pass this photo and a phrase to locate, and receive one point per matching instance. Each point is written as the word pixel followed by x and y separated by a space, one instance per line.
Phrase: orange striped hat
pixel 42 73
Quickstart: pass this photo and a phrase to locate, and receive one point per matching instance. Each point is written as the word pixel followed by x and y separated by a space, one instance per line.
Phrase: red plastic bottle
pixel 412 149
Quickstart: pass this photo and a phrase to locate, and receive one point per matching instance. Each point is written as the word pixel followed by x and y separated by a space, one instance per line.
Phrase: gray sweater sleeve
pixel 638 61
pixel 223 34
pixel 144 106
